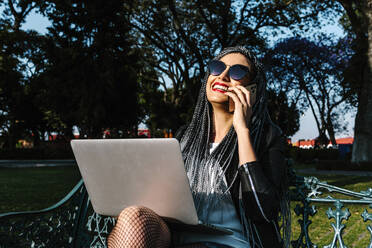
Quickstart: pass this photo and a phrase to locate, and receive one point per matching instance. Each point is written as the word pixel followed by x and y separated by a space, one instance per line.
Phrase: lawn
pixel 321 232
pixel 23 189
pixel 37 188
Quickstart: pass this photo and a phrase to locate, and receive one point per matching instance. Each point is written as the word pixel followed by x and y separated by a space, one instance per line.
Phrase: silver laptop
pixel 118 173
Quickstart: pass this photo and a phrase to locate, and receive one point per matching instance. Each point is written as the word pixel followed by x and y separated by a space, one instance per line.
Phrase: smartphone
pixel 252 88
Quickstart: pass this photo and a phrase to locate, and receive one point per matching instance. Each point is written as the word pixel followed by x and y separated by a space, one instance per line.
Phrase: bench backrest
pixel 72 221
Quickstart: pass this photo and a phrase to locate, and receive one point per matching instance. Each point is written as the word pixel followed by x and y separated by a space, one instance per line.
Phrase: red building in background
pixel 144 132
pixel 345 141
pixel 306 144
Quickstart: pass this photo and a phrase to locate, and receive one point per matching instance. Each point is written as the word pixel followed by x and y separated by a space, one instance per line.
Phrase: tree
pixel 16 12
pixel 80 63
pixel 184 35
pixel 358 77
pixel 284 114
pixel 20 115
pixel 311 73
pixel 92 70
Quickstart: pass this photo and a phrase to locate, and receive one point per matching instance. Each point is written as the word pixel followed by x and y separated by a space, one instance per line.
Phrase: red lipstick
pixel 220 87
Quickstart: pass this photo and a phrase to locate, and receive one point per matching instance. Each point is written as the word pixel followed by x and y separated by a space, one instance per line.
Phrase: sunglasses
pixel 236 72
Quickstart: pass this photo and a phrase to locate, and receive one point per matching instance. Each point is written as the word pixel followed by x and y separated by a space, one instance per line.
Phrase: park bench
pixel 73 223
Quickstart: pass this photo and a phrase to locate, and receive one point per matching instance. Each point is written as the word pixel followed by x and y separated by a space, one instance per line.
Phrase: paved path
pixel 335 172
pixel 35 163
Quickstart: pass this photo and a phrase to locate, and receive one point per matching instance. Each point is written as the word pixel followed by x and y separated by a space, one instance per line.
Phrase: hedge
pixel 310 155
pixel 44 151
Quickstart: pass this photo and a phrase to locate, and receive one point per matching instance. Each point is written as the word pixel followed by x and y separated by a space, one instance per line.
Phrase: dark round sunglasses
pixel 236 72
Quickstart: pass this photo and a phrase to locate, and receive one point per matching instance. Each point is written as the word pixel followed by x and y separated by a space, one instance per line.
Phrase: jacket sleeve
pixel 261 182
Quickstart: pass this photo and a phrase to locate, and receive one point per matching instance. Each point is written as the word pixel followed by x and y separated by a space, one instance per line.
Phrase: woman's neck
pixel 221 124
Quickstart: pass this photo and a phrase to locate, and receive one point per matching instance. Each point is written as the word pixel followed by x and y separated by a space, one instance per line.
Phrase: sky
pixel 307 129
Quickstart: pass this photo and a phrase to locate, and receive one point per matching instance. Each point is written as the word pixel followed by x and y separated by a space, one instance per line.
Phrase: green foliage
pixel 284 114
pixel 112 65
pixel 91 75
pixel 309 155
pixel 357 82
pixel 185 35
pixel 343 165
pixel 41 152
pixel 19 114
pixel 84 72
pixel 310 72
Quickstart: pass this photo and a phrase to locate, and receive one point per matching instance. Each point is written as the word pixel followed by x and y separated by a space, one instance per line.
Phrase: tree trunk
pixel 331 134
pixel 362 148
pixel 12 135
pixel 36 137
pixel 330 129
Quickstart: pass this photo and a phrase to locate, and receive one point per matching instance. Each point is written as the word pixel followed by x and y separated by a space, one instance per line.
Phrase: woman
pixel 235 164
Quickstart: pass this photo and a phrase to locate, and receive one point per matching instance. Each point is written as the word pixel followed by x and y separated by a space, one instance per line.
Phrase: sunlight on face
pixel 216 96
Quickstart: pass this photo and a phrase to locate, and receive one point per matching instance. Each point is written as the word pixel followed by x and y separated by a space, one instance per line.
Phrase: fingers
pixel 240 95
pixel 243 94
pixel 247 94
pixel 234 97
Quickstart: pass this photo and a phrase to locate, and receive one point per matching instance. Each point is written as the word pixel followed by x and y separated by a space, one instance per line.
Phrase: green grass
pixel 321 233
pixel 38 188
pixel 24 189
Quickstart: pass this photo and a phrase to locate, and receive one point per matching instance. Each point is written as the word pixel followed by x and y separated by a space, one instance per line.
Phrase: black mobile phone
pixel 251 88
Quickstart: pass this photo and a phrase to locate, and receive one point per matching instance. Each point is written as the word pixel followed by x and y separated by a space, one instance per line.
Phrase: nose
pixel 225 75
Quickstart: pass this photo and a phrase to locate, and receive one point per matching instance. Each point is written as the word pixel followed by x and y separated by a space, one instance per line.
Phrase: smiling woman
pixel 235 164
pixel 241 72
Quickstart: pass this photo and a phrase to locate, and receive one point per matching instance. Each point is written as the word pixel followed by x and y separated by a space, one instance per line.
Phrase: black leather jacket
pixel 261 185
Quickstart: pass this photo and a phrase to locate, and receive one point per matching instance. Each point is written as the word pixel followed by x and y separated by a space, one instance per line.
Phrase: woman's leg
pixel 139 227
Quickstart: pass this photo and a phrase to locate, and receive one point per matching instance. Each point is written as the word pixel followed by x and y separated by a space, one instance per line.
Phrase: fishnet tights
pixel 140 227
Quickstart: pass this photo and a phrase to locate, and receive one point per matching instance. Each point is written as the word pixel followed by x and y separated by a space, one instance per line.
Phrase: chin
pixel 218 100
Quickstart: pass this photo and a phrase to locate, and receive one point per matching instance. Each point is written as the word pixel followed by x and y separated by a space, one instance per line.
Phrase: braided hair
pixel 206 171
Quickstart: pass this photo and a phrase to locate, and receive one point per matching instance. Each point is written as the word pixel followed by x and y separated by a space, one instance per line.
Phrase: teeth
pixel 220 87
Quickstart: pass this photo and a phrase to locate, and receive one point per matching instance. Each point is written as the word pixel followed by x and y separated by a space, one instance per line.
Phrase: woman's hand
pixel 242 116
pixel 243 107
